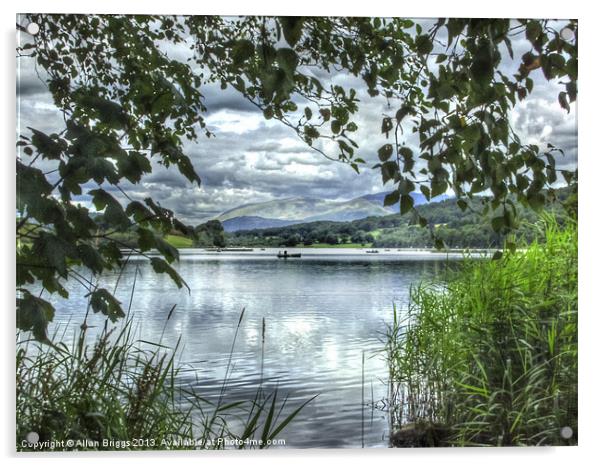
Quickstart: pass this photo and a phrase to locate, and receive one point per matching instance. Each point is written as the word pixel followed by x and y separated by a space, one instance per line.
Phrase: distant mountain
pixel 293 210
pixel 298 210
pixel 419 199
pixel 254 223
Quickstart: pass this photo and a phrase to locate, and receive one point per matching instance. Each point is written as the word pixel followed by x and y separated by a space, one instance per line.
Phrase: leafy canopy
pixel 126 102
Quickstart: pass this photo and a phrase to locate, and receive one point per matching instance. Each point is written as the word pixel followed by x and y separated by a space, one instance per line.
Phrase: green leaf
pixel 111 252
pixel 406 202
pixel 101 169
pixel 571 89
pixel 536 200
pixel 160 266
pixel 351 127
pixel 169 252
pixel 243 50
pixel 32 186
pixel 110 113
pixel 34 314
pixel 391 199
pixel 104 302
pixel 91 258
pixel 186 169
pixel 385 152
pixel 113 212
pixel 387 125
pixel 48 147
pixel 79 218
pixel 311 132
pixel 454 28
pixel 564 103
pixel 402 113
pixel 287 60
pixel 406 153
pixel 406 186
pixel 138 211
pixel 54 251
pixel 389 171
pixel 438 186
pixel 472 133
pixel 335 126
pixel 522 182
pixel 424 44
pixel 552 65
pixel 292 27
pixel 146 239
pixel 497 223
pixel 509 47
pixel 268 113
pixel 133 166
pixel 533 30
pixel 482 65
pixel 162 103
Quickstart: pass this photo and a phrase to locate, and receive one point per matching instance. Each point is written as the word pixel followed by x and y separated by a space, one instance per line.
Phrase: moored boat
pixel 286 255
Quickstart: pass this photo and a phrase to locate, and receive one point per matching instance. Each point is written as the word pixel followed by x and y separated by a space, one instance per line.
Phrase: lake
pixel 321 312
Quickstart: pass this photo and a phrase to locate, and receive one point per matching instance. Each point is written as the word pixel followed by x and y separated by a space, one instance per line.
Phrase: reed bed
pixel 120 392
pixel 489 355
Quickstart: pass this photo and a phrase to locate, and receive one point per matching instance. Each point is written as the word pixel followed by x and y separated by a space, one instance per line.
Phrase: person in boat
pixel 285 253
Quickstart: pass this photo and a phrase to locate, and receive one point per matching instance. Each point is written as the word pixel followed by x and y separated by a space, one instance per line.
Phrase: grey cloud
pixel 216 99
pixel 254 160
pixel 30 85
pixel 278 147
pixel 267 165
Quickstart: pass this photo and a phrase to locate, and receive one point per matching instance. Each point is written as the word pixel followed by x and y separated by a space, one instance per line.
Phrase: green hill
pixel 457 228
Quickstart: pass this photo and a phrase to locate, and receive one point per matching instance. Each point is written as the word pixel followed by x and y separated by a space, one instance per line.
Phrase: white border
pixel 590 199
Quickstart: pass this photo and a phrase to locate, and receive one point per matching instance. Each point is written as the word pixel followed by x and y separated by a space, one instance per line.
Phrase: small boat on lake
pixel 372 251
pixel 286 255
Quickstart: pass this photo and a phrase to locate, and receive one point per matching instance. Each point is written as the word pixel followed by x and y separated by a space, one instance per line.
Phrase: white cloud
pixel 251 159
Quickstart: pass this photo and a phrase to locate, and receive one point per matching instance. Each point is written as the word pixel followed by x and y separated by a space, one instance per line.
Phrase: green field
pixel 179 241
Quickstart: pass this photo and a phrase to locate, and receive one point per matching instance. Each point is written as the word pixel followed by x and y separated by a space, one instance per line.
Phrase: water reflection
pixel 320 311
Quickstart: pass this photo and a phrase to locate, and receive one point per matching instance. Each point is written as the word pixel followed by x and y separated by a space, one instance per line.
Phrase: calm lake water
pixel 321 312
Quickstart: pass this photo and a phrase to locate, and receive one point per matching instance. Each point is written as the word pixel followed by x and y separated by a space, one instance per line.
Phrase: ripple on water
pixel 320 315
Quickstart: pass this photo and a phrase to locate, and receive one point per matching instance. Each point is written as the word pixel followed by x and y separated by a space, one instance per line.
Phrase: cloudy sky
pixel 251 159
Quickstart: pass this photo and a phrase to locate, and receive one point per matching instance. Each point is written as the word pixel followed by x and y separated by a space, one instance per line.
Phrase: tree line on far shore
pixel 457 228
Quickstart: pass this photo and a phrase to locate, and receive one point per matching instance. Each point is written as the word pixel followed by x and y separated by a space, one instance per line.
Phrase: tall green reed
pixel 490 354
pixel 119 387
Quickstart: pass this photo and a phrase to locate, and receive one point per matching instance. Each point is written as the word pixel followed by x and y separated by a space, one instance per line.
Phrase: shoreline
pixel 323 251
